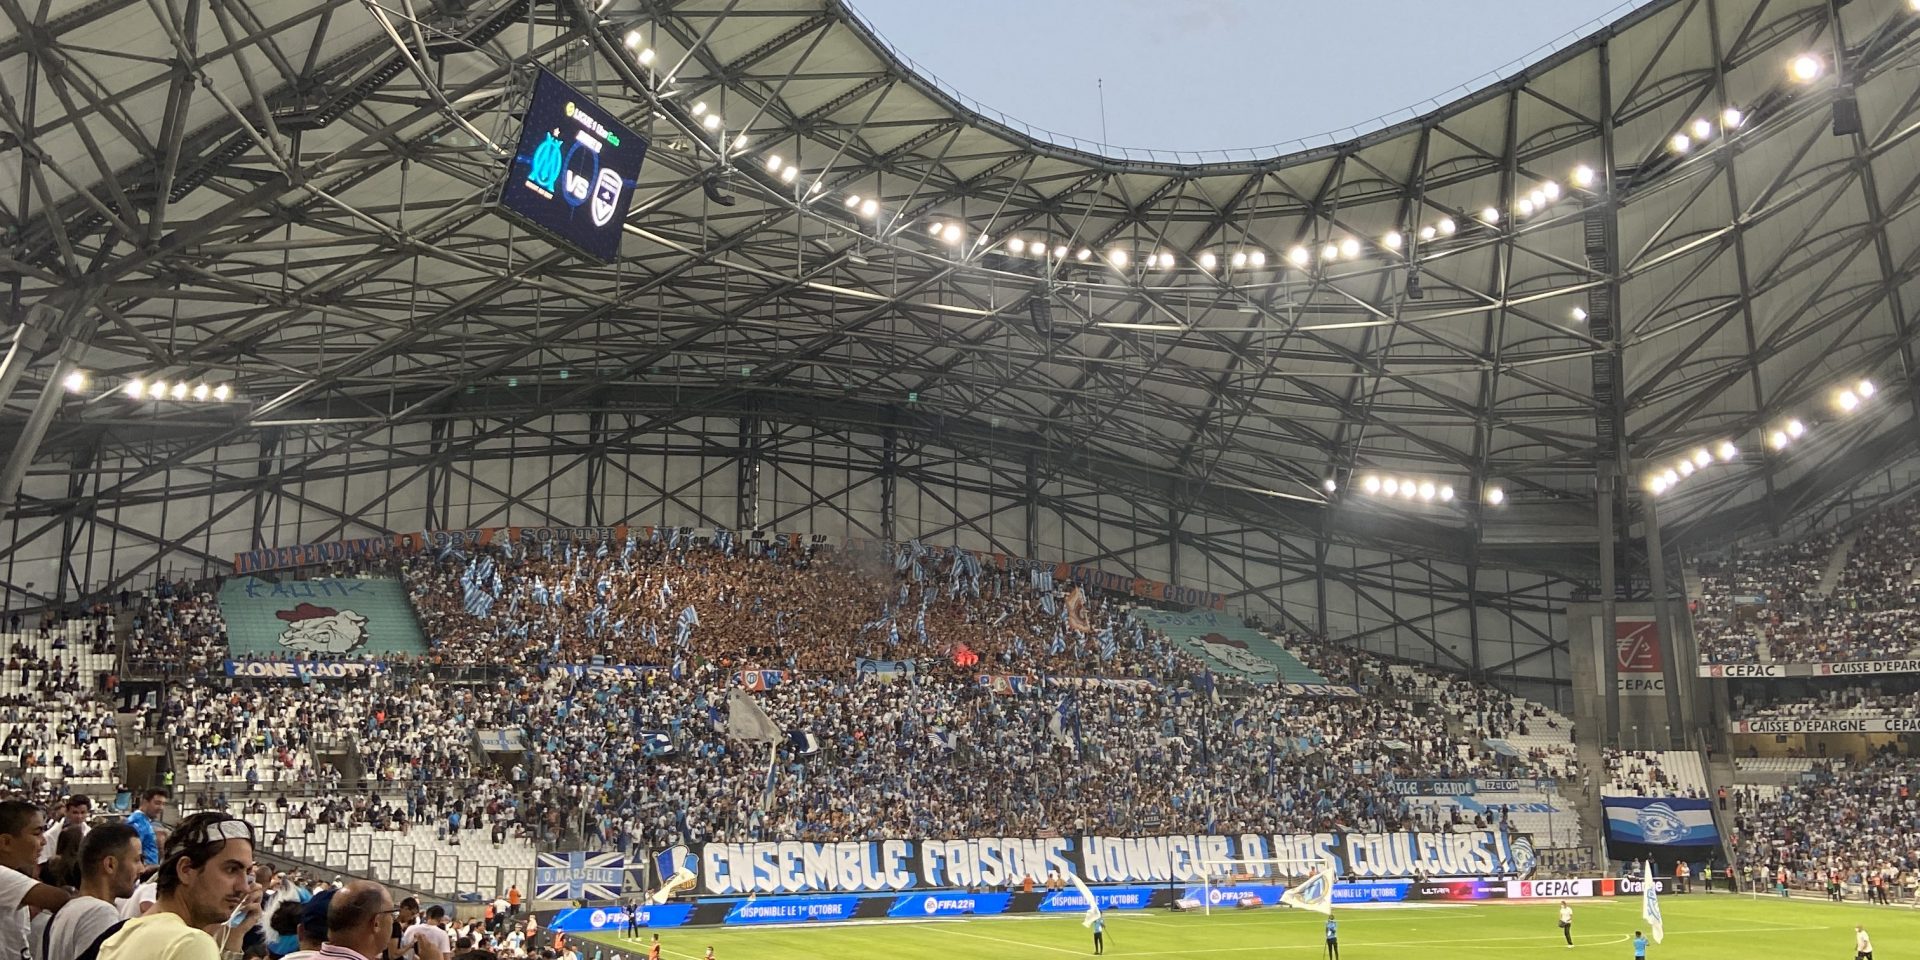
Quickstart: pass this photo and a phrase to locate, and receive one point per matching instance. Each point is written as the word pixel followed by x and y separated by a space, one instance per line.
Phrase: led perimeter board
pixel 573 171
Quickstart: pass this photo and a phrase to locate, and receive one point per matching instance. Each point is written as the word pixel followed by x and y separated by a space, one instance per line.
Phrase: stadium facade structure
pixel 292 196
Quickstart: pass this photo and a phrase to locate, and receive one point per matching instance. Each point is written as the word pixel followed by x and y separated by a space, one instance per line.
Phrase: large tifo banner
pixel 1909 724
pixel 891 865
pixel 1228 646
pixel 330 617
pixel 1664 828
pixel 1844 668
pixel 580 875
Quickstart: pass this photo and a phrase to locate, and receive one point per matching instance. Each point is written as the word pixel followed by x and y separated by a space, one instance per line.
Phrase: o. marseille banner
pixel 1658 827
pixel 794 867
pixel 1844 668
pixel 581 875
pixel 1827 725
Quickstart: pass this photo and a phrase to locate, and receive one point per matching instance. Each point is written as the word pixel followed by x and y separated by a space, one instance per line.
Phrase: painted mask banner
pixel 328 617
pixel 1659 827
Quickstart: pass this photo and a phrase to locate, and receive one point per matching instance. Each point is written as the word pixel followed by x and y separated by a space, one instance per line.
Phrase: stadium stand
pixel 1824 598
pixel 1654 773
pixel 1835 822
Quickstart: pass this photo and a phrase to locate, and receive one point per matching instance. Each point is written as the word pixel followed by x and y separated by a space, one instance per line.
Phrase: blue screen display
pixel 573 171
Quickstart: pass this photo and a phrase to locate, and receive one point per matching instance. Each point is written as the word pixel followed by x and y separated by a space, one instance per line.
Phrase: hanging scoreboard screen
pixel 573 171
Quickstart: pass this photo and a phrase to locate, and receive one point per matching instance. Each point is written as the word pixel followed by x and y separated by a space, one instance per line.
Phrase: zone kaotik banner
pixel 891 865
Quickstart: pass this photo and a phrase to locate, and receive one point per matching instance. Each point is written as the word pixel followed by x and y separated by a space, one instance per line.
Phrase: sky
pixel 1221 74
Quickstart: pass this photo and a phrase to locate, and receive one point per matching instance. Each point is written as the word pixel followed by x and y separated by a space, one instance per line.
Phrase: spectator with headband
pixel 205 882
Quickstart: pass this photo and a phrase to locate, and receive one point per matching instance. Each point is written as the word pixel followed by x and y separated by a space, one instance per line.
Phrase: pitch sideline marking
pixel 1311 946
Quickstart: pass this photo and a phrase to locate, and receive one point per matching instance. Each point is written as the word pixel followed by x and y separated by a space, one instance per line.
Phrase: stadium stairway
pixel 1836 563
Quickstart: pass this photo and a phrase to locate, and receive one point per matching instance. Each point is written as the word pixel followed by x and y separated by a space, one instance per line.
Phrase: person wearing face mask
pixel 205 883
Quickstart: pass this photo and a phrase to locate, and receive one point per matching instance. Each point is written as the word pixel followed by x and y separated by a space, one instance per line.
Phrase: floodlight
pixel 1393 240
pixel 1686 468
pixel 700 108
pixel 179 391
pixel 199 391
pixel 1551 190
pixel 870 208
pixel 1702 129
pixel 646 56
pixel 1701 457
pixel 1539 198
pixel 222 392
pixel 1446 226
pixel 1489 216
pixel 1117 257
pixel 1730 118
pixel 951 234
pixel 1084 254
pixel 134 388
pixel 1446 493
pixel 1389 486
pixel 1583 176
pixel 1426 490
pixel 787 174
pixel 1207 262
pixel 1795 428
pixel 1670 476
pixel 1239 258
pixel 75 382
pixel 1060 252
pixel 853 201
pixel 1349 248
pixel 1257 258
pixel 1579 315
pixel 1680 143
pixel 1806 68
pixel 1299 256
pixel 1727 450
pixel 1846 400
pixel 1370 483
pixel 1329 485
pixel 774 163
pixel 1017 245
pixel 1525 206
pixel 1777 439
pixel 1495 495
pixel 157 390
pixel 1865 388
pixel 1426 233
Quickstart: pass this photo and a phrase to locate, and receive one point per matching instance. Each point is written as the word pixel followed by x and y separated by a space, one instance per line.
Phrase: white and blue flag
pixel 1650 904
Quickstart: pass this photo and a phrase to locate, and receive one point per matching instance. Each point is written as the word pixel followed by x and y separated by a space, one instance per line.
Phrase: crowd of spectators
pixel 639 758
pixel 1772 605
pixel 1646 773
pixel 1840 824
pixel 1890 695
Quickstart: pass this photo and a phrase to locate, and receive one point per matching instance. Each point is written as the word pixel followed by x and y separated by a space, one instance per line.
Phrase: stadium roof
pixel 293 195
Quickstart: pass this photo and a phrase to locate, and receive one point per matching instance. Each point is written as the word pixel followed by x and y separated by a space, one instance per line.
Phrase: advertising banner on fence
pixel 1827 725
pixel 897 865
pixel 1548 889
pixel 1640 655
pixel 304 669
pixel 1844 668
pixel 1664 828
pixel 330 616
pixel 580 875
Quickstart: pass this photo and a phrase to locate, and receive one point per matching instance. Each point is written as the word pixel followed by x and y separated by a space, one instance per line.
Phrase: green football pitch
pixel 1709 927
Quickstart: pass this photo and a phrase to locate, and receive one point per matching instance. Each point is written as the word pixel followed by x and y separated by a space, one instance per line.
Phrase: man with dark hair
pixel 205 880
pixel 357 922
pixel 428 939
pixel 109 870
pixel 403 917
pixel 153 806
pixel 23 827
pixel 314 926
pixel 73 817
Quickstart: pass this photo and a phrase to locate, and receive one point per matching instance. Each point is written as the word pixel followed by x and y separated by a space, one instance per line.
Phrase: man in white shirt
pixel 23 827
pixel 1566 922
pixel 109 869
pixel 74 814
pixel 428 939
pixel 1862 945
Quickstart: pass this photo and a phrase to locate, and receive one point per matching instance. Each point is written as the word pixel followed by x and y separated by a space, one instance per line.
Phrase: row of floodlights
pixel 162 389
pixel 1782 435
pixel 1423 489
